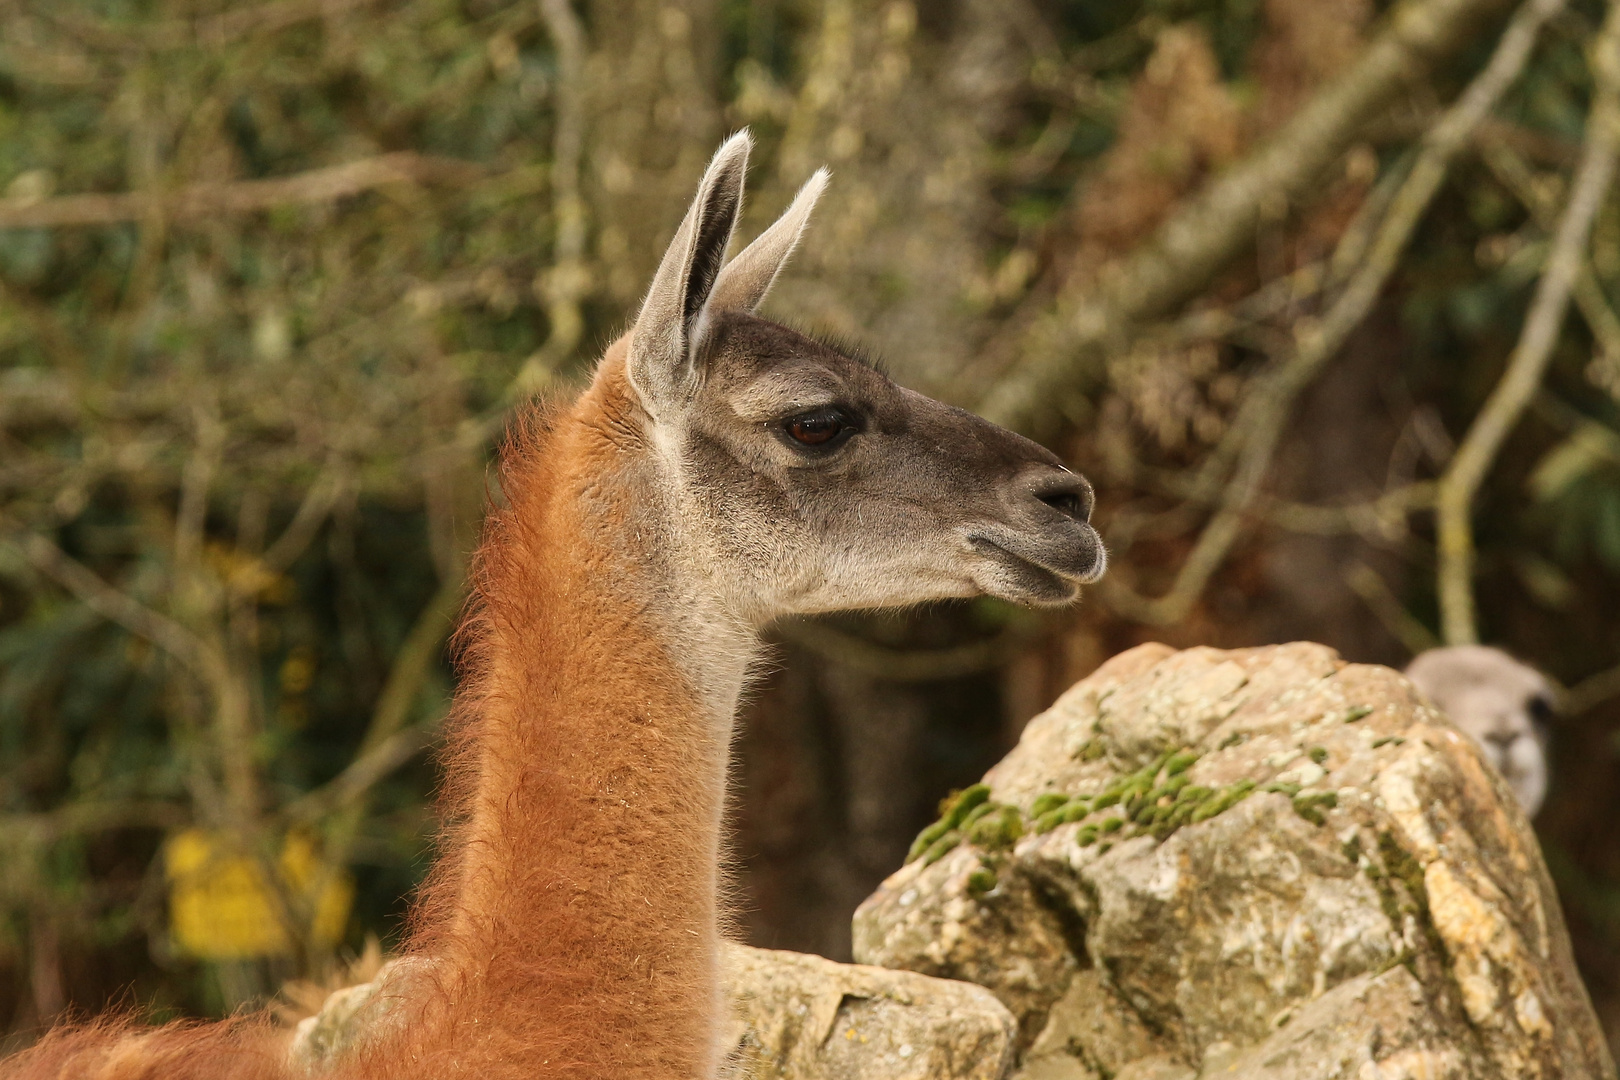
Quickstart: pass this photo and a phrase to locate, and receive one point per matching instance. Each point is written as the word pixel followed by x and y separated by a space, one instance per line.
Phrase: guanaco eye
pixel 820 429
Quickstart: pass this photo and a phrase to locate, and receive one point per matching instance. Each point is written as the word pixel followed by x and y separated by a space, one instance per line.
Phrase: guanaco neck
pixel 576 929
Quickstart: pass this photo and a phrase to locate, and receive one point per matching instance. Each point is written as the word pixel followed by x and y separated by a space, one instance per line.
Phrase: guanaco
pixel 720 472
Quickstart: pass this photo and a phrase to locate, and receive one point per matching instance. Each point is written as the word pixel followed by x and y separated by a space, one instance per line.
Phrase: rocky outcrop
pixel 1264 863
pixel 794 1017
pixel 805 1017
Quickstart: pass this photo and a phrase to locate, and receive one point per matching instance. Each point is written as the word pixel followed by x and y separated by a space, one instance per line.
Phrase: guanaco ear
pixel 742 285
pixel 669 331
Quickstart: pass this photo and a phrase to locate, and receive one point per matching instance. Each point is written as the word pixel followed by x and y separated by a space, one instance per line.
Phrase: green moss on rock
pixel 997 830
pixel 954 810
pixel 1045 804
pixel 941 847
pixel 1310 805
pixel 981 882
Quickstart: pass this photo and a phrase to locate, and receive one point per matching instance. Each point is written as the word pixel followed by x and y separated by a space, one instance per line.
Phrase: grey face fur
pixel 1498 702
pixel 802 480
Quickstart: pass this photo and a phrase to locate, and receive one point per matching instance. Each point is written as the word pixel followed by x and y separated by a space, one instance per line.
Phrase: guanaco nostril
pixel 1069 495
pixel 1068 505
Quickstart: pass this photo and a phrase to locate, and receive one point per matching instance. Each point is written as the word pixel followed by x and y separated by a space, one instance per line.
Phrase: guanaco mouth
pixel 1035 582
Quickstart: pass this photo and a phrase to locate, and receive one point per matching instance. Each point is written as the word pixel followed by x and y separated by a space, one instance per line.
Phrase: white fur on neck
pixel 713 639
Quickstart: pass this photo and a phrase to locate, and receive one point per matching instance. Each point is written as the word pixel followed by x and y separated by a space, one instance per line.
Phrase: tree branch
pixel 1591 692
pixel 1062 351
pixel 1515 174
pixel 307 520
pixel 1381 515
pixel 115 605
pixel 212 31
pixel 242 197
pixel 1265 411
pixel 568 280
pixel 359 777
pixel 1389 610
pixel 385 747
pixel 80 818
pixel 387 744
pixel 1528 362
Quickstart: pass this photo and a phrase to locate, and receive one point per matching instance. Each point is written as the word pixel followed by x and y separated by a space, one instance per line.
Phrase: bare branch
pixel 196 483
pixel 210 31
pixel 1591 692
pixel 1390 611
pixel 114 605
pixel 385 747
pixel 210 665
pixel 568 280
pixel 1515 174
pixel 79 818
pixel 360 776
pixel 317 503
pixel 201 201
pixel 1373 517
pixel 387 744
pixel 1045 362
pixel 1264 413
pixel 1528 362
pixel 411 663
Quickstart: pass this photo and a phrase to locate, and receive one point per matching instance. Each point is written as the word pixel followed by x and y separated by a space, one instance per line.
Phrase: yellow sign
pixel 220 906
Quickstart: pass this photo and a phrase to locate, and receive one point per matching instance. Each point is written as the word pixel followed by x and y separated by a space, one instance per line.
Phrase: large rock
pixel 1264 863
pixel 808 1018
pixel 794 1017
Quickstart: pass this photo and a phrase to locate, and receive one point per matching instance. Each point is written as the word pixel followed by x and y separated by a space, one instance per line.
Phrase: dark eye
pixel 820 429
pixel 1541 709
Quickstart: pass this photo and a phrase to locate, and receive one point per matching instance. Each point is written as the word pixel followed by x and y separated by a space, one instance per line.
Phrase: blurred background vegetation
pixel 1320 295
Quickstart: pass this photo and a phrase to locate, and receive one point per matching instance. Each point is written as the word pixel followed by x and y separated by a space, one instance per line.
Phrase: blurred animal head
pixel 800 479
pixel 1501 704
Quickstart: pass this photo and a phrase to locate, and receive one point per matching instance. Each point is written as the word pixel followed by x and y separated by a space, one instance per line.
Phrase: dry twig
pixel 1389 610
pixel 1591 692
pixel 202 201
pixel 1515 174
pixel 1528 362
pixel 1264 414
pixel 568 280
pixel 117 606
pixel 1062 349
pixel 388 744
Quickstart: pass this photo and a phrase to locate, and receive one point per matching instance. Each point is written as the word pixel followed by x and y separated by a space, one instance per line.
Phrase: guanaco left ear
pixel 668 333
pixel 742 285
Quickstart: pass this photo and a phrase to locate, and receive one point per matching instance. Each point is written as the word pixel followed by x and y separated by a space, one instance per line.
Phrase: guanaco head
pixel 1501 704
pixel 801 479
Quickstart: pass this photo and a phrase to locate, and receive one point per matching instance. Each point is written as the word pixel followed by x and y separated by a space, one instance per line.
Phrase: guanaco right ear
pixel 742 285
pixel 669 331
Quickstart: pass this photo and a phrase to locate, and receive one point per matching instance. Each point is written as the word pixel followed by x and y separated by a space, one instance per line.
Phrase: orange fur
pixel 120 1049
pixel 573 915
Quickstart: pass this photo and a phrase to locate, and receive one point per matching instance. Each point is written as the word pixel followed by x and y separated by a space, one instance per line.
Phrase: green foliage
pixel 182 392
pixel 323 354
